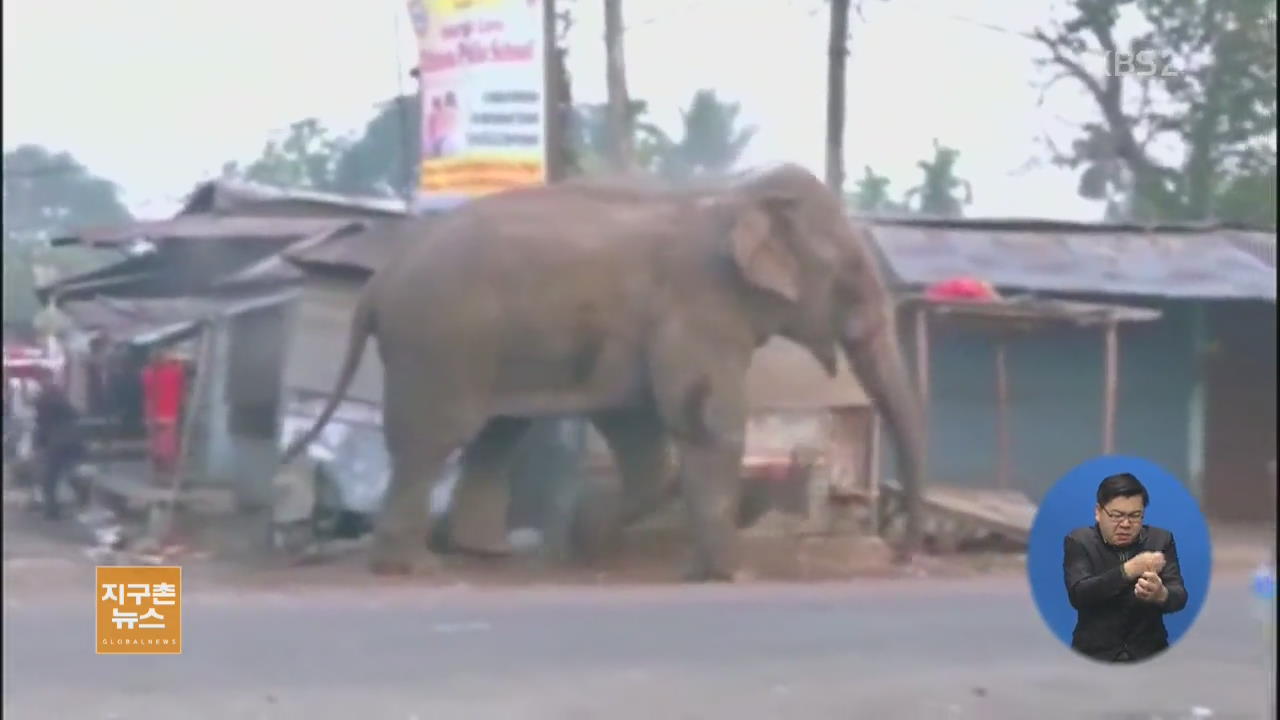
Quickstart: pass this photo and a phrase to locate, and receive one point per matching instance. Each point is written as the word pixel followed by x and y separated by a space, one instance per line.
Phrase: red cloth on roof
pixel 962 288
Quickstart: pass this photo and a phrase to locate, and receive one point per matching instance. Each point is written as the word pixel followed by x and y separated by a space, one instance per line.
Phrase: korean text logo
pixel 139 610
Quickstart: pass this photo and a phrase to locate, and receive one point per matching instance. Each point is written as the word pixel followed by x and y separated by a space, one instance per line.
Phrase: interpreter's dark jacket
pixel 1113 624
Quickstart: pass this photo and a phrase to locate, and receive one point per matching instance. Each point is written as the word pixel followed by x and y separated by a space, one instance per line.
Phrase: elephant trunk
pixel 877 361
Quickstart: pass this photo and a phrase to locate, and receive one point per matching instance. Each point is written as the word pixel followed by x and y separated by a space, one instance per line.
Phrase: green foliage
pixel 871 195
pixel 711 143
pixel 20 303
pixel 383 161
pixel 307 159
pixel 47 195
pixel 589 136
pixel 935 196
pixel 1249 198
pixel 1216 105
pixel 937 193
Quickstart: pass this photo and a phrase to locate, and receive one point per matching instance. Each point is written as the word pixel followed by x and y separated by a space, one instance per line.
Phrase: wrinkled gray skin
pixel 637 307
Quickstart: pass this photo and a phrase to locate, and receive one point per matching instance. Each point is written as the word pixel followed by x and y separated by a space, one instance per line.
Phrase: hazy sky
pixel 158 94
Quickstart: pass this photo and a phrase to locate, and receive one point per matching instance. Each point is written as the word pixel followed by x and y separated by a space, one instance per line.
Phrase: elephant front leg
pixel 711 488
pixel 702 399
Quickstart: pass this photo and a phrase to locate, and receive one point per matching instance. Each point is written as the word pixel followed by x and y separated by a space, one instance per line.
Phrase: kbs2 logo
pixel 139 610
pixel 1144 63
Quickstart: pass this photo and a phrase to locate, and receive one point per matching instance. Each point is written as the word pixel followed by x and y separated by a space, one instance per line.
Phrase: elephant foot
pixel 706 574
pixel 391 558
pixel 904 553
pixel 499 550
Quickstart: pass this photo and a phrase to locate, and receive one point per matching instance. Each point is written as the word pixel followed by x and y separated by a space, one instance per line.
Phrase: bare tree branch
pixel 1071 67
pixel 1056 156
pixel 1044 89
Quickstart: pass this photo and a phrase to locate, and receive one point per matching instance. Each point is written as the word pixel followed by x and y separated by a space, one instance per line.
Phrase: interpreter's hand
pixel 1144 562
pixel 1151 588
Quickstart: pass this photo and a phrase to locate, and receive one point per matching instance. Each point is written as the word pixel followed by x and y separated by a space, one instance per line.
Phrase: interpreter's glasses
pixel 1120 518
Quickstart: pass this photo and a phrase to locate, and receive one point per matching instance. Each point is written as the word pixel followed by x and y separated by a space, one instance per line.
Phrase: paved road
pixel 881 649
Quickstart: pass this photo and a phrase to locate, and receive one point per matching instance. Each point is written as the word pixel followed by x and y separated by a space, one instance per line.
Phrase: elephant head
pixel 793 244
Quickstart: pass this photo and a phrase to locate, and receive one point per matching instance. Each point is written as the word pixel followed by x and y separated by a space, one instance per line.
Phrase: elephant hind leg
pixel 641 452
pixel 701 396
pixel 404 525
pixel 420 436
pixel 478 514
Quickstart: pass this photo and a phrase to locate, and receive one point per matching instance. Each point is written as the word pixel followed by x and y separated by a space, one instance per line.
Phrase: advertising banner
pixel 481 72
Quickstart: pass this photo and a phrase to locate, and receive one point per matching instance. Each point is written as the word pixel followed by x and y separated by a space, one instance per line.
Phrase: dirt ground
pixel 229 552
pixel 36 549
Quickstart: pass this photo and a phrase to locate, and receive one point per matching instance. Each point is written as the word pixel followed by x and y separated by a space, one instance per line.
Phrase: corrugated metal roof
pixel 364 249
pixel 271 270
pixel 1211 262
pixel 1207 262
pixel 234 197
pixel 131 319
pixel 1025 313
pixel 276 268
pixel 125 266
pixel 207 227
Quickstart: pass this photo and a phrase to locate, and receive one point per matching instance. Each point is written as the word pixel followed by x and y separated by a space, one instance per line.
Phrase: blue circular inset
pixel 1069 505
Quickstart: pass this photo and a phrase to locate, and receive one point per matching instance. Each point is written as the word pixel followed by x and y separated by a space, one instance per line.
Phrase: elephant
pixel 636 306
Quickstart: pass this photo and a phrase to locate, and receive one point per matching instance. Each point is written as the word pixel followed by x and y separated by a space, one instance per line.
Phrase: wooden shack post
pixel 873 476
pixel 1109 387
pixel 1003 470
pixel 922 360
pixel 162 517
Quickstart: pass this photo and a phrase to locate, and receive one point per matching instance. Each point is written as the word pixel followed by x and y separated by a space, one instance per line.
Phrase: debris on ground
pixel 333 549
pixel 525 539
pixel 775 523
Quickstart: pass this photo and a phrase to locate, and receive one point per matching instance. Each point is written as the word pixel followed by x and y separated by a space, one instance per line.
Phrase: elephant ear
pixel 759 250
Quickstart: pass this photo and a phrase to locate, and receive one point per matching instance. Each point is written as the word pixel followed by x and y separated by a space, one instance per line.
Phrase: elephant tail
pixel 362 326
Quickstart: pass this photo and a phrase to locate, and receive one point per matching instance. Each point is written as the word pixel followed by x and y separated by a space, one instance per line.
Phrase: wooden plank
pixel 922 356
pixel 873 475
pixel 846 450
pixel 1009 513
pixel 136 491
pixel 1109 390
pixel 1003 452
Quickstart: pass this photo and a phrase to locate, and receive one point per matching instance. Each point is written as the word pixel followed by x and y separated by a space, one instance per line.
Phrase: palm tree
pixel 871 195
pixel 937 192
pixel 712 142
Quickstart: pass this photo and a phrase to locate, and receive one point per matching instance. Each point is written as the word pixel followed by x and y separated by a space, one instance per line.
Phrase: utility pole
pixel 554 94
pixel 837 54
pixel 621 135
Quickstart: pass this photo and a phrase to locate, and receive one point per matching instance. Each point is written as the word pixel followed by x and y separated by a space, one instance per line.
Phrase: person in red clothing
pixel 163 383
